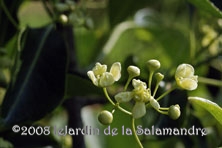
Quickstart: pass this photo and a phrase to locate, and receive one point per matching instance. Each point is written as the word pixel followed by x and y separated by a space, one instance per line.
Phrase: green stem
pixel 11 19
pixel 134 133
pixel 210 81
pixel 21 32
pixel 127 83
pixel 155 90
pixel 164 108
pixel 17 63
pixel 163 112
pixel 167 92
pixel 150 80
pixel 115 104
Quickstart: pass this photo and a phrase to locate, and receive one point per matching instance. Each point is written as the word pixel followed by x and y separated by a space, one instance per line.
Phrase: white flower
pixel 100 77
pixel 185 77
pixel 140 94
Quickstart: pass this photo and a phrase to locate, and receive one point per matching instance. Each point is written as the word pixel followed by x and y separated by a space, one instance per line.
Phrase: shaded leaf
pixel 208 105
pixel 32 19
pixel 86 87
pixel 120 11
pixel 3 81
pixel 7 29
pixel 207 6
pixel 40 83
pixel 34 140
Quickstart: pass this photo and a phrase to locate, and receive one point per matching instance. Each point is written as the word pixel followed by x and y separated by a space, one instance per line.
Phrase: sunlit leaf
pixel 207 6
pixel 208 105
pixel 38 16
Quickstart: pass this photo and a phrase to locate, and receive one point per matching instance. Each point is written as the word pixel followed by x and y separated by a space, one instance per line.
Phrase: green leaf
pixel 120 11
pixel 3 81
pixel 208 105
pixel 86 87
pixel 40 83
pixel 207 6
pixel 33 14
pixel 8 29
pixel 34 140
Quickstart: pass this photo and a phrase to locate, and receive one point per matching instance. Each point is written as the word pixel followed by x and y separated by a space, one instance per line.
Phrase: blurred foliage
pixel 43 63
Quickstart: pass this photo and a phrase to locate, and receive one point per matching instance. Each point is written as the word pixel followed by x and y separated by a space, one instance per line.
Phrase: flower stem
pixel 5 9
pixel 163 112
pixel 107 96
pixel 150 80
pixel 210 81
pixel 134 133
pixel 155 90
pixel 164 108
pixel 127 83
pixel 167 92
pixel 115 104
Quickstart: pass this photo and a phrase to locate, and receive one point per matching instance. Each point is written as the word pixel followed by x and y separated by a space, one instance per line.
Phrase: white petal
pixel 155 104
pixel 188 84
pixel 124 96
pixel 116 71
pixel 99 69
pixel 92 77
pixel 184 70
pixel 139 84
pixel 139 110
pixel 106 79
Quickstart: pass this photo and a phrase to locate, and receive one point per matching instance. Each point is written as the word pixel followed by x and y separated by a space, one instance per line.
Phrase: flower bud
pixel 174 111
pixel 63 19
pixel 105 117
pixel 159 77
pixel 133 71
pixel 153 65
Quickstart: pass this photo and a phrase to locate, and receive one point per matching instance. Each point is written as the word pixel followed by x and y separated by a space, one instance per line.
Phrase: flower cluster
pixel 142 95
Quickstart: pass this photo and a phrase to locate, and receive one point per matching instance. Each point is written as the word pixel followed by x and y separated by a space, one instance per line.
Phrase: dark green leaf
pixel 7 29
pixel 40 83
pixel 5 62
pixel 86 87
pixel 207 6
pixel 120 11
pixel 3 81
pixel 208 105
pixel 29 141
